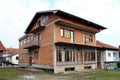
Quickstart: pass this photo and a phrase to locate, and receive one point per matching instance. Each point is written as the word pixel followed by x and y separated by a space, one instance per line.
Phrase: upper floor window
pixel 87 38
pixel 65 33
pixel 109 54
pixel 21 44
pixel 62 32
pixel 24 41
pixel 41 21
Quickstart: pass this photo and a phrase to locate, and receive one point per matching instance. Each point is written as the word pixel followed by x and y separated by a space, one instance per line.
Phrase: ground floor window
pixel 36 54
pixel 115 56
pixel 65 56
pixel 89 56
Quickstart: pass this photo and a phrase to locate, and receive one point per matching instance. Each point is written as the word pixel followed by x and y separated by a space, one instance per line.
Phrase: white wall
pixel 14 59
pixel 108 58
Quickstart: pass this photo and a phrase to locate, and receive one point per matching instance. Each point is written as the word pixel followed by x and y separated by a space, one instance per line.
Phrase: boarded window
pixel 67 33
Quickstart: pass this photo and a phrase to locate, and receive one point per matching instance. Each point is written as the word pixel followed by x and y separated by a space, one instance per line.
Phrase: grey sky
pixel 15 15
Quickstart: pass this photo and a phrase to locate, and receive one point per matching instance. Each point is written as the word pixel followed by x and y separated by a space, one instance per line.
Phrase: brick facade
pixel 78 35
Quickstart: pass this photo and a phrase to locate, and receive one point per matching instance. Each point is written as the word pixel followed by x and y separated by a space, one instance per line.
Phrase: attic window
pixel 37 24
pixel 43 20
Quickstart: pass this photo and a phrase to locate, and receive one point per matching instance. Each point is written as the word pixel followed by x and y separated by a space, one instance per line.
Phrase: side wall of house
pixel 46 46
pixel 45 51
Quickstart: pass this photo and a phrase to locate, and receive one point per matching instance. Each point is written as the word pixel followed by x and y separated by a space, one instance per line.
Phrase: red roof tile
pixel 104 45
pixel 12 50
pixel 2 48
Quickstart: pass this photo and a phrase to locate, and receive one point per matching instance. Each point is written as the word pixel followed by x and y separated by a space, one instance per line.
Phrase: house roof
pixel 64 14
pixel 12 50
pixel 105 46
pixel 2 48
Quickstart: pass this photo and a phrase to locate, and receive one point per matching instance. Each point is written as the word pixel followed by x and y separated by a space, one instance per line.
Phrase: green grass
pixel 9 74
pixel 96 75
pixel 17 73
pixel 104 75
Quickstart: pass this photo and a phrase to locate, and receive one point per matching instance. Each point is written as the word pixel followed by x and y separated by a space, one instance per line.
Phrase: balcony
pixel 31 45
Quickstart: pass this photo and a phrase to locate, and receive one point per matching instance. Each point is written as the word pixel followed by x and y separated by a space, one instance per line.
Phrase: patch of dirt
pixel 36 74
pixel 30 71
pixel 3 79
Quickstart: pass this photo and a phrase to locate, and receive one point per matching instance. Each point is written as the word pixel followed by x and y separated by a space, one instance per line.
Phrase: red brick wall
pixel 78 36
pixel 23 58
pixel 46 54
pixel 47 35
pixel 46 46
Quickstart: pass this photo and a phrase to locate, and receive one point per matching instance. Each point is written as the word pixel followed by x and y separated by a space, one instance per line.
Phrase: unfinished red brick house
pixel 59 41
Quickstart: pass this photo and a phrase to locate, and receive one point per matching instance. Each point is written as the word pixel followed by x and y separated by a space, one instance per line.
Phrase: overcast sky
pixel 15 15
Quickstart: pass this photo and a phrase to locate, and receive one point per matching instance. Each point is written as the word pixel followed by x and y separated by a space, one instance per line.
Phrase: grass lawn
pixel 18 74
pixel 9 74
pixel 104 75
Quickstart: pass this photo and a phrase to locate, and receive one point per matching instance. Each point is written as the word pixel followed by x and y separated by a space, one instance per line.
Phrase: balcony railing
pixel 31 44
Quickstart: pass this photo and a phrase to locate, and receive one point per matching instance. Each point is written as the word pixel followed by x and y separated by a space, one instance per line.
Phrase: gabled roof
pixel 105 46
pixel 63 14
pixel 12 50
pixel 2 48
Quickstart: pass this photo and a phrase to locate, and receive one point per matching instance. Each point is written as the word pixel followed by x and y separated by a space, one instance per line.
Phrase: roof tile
pixel 104 45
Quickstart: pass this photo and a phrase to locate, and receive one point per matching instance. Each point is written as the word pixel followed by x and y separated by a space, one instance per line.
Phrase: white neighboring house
pixel 10 56
pixel 109 55
pixel 13 58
